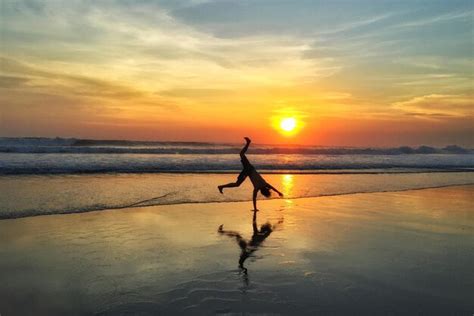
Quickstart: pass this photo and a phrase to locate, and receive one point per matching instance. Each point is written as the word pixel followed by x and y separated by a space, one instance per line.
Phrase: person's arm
pixel 255 191
pixel 271 187
pixel 254 223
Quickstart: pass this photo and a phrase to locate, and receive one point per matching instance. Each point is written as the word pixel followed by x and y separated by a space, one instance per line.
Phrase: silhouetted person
pixel 259 184
pixel 252 245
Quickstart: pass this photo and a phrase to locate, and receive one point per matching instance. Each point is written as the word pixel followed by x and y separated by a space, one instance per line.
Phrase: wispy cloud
pixel 469 15
pixel 36 78
pixel 438 105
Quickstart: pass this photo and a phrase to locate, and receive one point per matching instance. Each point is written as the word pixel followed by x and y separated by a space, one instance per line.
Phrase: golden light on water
pixel 287 184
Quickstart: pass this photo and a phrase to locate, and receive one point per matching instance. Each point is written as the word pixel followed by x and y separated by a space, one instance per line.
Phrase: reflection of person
pixel 259 184
pixel 250 246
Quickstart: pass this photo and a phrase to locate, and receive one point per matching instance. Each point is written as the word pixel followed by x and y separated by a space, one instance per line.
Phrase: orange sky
pixel 378 75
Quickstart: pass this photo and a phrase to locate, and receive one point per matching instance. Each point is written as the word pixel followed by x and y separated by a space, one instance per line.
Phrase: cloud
pixel 438 19
pixel 196 93
pixel 438 106
pixel 12 81
pixel 237 19
pixel 140 59
pixel 36 78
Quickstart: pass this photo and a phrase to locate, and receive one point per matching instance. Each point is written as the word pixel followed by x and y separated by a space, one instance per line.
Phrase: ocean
pixel 40 176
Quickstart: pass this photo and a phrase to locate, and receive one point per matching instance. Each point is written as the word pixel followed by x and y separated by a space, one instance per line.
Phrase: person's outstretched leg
pixel 239 181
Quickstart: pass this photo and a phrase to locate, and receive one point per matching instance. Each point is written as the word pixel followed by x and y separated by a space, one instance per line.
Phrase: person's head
pixel 265 192
pixel 266 228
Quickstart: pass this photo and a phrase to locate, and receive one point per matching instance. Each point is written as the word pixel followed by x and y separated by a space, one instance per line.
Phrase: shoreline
pixel 237 201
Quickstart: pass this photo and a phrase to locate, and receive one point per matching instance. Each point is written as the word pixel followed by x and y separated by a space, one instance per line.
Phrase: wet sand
pixel 407 252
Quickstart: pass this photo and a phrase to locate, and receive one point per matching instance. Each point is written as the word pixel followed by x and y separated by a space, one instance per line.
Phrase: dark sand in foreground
pixel 382 253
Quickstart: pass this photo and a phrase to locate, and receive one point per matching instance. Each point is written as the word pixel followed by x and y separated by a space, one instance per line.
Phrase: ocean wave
pixel 266 169
pixel 86 146
pixel 58 141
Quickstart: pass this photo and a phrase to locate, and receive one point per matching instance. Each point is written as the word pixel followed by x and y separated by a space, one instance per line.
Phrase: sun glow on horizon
pixel 288 124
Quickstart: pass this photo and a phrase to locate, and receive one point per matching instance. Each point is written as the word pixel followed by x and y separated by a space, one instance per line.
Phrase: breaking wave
pixel 87 146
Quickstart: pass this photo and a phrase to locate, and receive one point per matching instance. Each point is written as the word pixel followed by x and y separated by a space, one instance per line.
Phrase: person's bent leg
pixel 228 185
pixel 239 181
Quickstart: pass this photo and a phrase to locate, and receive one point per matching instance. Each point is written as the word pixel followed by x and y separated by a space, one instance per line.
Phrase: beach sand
pixel 375 253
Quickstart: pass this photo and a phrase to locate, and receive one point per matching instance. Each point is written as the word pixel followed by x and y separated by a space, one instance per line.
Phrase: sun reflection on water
pixel 287 182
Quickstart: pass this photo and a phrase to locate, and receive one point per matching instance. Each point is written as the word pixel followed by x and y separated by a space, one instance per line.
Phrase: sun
pixel 288 124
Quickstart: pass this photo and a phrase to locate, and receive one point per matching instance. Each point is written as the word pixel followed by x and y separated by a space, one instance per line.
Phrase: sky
pixel 352 73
